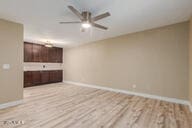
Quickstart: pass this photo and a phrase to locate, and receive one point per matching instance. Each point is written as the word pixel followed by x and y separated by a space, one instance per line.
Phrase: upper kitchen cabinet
pixel 56 55
pixel 37 56
pixel 53 54
pixel 40 53
pixel 45 54
pixel 60 55
pixel 28 52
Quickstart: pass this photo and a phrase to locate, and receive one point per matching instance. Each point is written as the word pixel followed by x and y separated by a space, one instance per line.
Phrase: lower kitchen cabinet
pixel 34 78
pixel 28 79
pixel 45 77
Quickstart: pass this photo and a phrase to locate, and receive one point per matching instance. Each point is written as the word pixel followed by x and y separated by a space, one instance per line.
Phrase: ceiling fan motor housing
pixel 87 16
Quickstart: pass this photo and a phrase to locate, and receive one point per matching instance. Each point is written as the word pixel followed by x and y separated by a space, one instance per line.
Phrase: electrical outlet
pixel 134 86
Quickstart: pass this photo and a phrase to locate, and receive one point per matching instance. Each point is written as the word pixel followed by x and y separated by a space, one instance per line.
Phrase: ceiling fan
pixel 86 19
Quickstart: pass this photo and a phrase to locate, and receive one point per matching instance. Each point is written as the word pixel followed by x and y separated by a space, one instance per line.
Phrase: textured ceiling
pixel 41 17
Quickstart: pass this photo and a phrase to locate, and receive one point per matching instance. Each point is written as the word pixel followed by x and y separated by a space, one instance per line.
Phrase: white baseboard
pixel 172 100
pixel 11 104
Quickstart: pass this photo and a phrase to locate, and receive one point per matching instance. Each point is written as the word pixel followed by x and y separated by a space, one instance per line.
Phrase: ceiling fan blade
pixel 99 26
pixel 77 13
pixel 73 22
pixel 101 16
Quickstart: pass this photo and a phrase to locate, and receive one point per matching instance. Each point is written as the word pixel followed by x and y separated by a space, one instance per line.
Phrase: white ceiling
pixel 41 17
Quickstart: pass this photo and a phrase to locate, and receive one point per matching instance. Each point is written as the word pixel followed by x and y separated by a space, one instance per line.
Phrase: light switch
pixel 6 66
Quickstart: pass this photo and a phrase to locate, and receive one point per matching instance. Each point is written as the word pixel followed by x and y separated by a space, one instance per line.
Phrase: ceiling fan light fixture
pixel 49 45
pixel 86 25
pixel 87 20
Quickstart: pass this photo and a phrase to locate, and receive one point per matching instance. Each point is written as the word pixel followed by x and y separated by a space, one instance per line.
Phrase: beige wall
pixel 154 60
pixel 11 52
pixel 190 62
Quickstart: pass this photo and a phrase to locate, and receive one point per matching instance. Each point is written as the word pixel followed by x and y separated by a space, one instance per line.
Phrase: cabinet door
pixel 36 77
pixel 40 53
pixel 44 77
pixel 52 76
pixel 28 52
pixel 44 54
pixel 59 76
pixel 28 79
pixel 53 55
pixel 56 76
pixel 59 55
pixel 37 53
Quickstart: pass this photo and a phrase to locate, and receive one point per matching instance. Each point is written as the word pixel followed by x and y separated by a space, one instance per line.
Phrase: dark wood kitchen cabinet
pixel 45 54
pixel 37 57
pixel 59 76
pixel 45 77
pixel 59 55
pixel 40 53
pixel 28 52
pixel 53 55
pixel 28 79
pixel 55 76
pixel 34 78
pixel 52 76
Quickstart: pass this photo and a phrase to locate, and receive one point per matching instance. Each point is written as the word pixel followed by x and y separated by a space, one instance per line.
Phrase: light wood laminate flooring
pixel 69 106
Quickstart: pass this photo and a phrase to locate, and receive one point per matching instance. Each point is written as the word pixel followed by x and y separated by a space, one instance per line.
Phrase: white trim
pixel 173 100
pixel 11 104
pixel 190 106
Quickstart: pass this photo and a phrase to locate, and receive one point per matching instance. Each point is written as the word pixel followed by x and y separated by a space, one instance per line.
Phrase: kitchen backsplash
pixel 42 66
